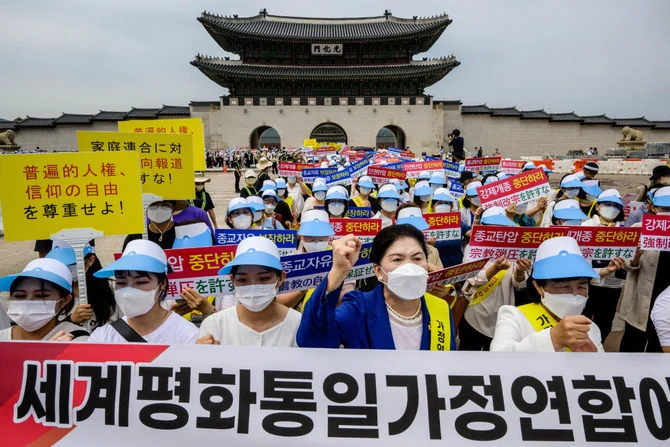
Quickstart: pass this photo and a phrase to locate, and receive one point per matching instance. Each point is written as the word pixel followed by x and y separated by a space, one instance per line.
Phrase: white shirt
pixel 386 221
pixel 515 333
pixel 295 193
pixel 175 330
pixel 65 326
pixel 225 326
pixel 660 315
pixel 406 333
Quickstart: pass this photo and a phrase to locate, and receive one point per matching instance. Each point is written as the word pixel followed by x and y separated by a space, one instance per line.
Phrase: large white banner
pixel 78 394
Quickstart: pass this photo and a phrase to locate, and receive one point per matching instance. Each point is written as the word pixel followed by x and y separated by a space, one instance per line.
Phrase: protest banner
pixel 166 160
pixel 46 193
pixel 512 166
pixel 456 273
pixel 451 168
pixel 381 176
pixel 365 229
pixel 345 176
pixel 285 240
pixel 197 268
pixel 143 394
pixel 443 226
pixel 286 168
pixel 359 213
pixel 306 270
pixel 184 126
pixel 522 188
pixel 605 243
pixel 483 164
pixel 308 175
pixel 309 142
pixel 494 241
pixel 655 232
pixel 456 190
pixel 414 168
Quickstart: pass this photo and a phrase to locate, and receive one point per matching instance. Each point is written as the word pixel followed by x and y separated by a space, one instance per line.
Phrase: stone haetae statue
pixel 7 138
pixel 630 134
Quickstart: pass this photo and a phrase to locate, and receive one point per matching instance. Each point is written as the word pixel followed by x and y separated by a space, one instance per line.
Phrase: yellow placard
pixel 310 142
pixel 47 193
pixel 166 160
pixel 191 126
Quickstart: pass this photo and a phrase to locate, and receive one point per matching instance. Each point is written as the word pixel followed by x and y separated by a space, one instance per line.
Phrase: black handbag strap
pixel 127 332
pixel 79 333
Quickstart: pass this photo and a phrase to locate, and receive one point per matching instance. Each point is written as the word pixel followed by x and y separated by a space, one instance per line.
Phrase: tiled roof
pixel 482 109
pixel 452 102
pixel 661 124
pixel 174 110
pixel 35 122
pixel 505 111
pixel 320 30
pixel 136 113
pixel 534 115
pixel 71 118
pixel 566 117
pixel 633 122
pixel 105 115
pixel 204 103
pixel 7 125
pixel 220 70
pixel 597 119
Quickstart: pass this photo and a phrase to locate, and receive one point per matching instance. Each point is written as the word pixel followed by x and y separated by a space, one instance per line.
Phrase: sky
pixel 586 56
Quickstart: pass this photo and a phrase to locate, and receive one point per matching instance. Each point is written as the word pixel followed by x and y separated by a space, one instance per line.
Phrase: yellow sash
pixel 308 295
pixel 440 323
pixel 485 290
pixel 539 318
pixel 289 202
pixel 358 200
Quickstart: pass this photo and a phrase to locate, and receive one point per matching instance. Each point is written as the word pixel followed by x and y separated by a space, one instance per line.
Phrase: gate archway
pixel 329 133
pixel 264 136
pixel 391 136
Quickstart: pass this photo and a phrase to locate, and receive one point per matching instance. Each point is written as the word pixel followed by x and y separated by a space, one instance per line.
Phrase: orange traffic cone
pixel 225 168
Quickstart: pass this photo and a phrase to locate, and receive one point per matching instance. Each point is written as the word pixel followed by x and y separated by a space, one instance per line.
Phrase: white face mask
pixel 389 205
pixel 521 208
pixel 408 282
pixel 292 179
pixel 281 192
pixel 320 195
pixel 31 315
pixel 336 209
pixel 443 208
pixel 315 246
pixel 242 222
pixel 564 304
pixel 608 212
pixel 251 181
pixel 199 187
pixel 270 208
pixel 425 199
pixel 365 191
pixel 258 215
pixel 571 193
pixel 475 200
pixel 134 302
pixel 159 214
pixel 256 297
pixel 590 198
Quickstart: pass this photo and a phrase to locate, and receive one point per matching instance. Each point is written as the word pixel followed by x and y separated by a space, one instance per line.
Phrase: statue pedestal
pixel 9 147
pixel 632 145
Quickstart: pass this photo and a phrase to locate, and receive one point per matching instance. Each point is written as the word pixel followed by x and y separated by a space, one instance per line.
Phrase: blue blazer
pixel 360 322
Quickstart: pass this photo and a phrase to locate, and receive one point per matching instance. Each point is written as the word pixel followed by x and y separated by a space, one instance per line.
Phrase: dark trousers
pixel 635 340
pixel 470 339
pixel 237 181
pixel 601 308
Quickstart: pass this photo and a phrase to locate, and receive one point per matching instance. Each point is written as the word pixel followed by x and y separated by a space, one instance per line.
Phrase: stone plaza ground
pixel 15 255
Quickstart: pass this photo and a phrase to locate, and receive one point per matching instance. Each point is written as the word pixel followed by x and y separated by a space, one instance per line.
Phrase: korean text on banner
pixel 345 176
pixel 359 212
pixel 365 229
pixel 381 176
pixel 522 188
pixel 456 273
pixel 493 241
pixel 286 240
pixel 483 164
pixel 305 271
pixel 451 168
pixel 655 232
pixel 166 160
pixel 605 243
pixel 444 226
pixel 310 142
pixel 456 190
pixel 308 175
pixel 512 166
pixel 414 168
pixel 59 191
pixel 185 126
pixel 65 394
pixel 287 169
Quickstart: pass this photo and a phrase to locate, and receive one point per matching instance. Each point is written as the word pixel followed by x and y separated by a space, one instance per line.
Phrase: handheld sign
pixel 456 273
pixel 359 213
pixel 522 188
pixel 365 229
pixel 166 160
pixel 383 175
pixel 494 241
pixel 186 126
pixel 413 169
pixel 345 176
pixel 308 175
pixel 483 164
pixel 286 240
pixel 59 191
pixel 443 226
pixel 451 168
pixel 655 232
pixel 287 169
pixel 512 166
pixel 605 243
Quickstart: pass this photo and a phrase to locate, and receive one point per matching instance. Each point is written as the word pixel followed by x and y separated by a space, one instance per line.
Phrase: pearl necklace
pixel 402 317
